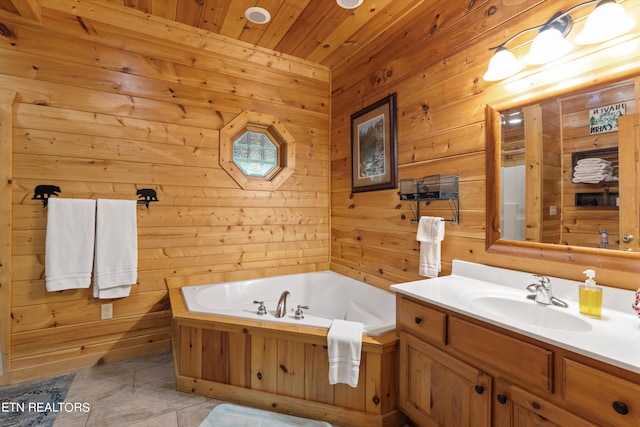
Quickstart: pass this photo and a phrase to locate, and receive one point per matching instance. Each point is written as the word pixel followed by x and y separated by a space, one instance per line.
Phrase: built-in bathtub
pixel 224 349
pixel 327 295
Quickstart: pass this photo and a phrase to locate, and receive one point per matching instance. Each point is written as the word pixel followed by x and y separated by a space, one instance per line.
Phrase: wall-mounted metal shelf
pixel 431 188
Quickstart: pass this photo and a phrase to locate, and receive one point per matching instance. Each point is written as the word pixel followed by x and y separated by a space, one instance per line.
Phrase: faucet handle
pixel 262 310
pixel 298 313
pixel 543 281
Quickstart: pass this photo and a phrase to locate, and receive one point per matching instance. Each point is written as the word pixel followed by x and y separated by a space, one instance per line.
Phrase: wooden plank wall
pixel 109 101
pixel 435 66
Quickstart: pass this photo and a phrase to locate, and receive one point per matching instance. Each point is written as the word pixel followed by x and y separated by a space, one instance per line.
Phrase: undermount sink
pixel 519 309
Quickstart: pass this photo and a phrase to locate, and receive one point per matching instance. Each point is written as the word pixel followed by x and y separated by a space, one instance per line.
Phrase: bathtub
pixel 223 349
pixel 328 295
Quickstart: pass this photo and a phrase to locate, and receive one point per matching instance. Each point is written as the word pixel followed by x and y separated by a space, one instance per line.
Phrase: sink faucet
pixel 281 309
pixel 541 292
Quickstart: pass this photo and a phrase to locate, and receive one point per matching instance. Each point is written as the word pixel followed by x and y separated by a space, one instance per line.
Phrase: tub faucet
pixel 281 309
pixel 541 292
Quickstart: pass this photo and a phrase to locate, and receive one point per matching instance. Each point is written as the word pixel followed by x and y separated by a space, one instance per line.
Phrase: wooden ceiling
pixel 316 30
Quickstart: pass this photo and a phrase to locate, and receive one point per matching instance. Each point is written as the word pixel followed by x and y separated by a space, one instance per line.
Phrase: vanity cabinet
pixel 459 371
pixel 601 395
pixel 440 390
pixel 516 407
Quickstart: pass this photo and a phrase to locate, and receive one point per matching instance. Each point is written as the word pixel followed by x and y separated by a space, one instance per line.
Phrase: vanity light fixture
pixel 607 21
pixel 550 43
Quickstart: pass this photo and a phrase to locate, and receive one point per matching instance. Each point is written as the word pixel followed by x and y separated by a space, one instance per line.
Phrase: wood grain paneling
pixel 111 104
pixel 6 223
pixel 435 66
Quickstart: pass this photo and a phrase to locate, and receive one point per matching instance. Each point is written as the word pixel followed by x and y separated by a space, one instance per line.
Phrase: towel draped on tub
pixel 344 345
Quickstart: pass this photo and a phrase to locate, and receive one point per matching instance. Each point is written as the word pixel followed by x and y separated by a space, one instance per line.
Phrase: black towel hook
pixel 147 195
pixel 44 191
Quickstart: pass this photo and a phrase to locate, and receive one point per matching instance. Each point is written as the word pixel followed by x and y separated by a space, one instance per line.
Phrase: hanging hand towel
pixel 430 234
pixel 344 341
pixel 69 243
pixel 116 260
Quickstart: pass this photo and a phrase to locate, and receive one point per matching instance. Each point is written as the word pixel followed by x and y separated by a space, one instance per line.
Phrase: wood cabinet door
pixel 515 407
pixel 629 187
pixel 439 390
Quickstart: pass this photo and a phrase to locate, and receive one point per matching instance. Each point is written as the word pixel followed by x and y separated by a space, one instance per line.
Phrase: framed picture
pixel 374 164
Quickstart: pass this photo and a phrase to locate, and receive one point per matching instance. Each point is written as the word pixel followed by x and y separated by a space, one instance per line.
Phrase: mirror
pixel 562 177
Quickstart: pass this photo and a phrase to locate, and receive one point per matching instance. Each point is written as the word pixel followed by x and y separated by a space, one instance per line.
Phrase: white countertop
pixel 614 338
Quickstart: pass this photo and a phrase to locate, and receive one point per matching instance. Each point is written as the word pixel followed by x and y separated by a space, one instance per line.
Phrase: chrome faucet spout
pixel 281 308
pixel 541 292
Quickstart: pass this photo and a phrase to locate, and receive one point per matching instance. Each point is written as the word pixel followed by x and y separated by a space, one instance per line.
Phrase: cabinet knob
pixel 479 389
pixel 627 238
pixel 620 407
pixel 418 320
pixel 502 399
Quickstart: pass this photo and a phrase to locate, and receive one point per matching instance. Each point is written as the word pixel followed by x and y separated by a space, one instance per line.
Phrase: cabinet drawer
pixel 421 321
pixel 601 394
pixel 521 361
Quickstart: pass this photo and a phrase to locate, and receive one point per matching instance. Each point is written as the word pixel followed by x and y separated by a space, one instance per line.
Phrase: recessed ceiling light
pixel 349 4
pixel 257 15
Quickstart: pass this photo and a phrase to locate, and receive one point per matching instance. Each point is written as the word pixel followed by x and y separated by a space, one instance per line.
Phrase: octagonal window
pixel 257 151
pixel 255 154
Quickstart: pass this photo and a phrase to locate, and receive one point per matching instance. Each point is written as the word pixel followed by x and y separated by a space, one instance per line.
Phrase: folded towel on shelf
pixel 593 168
pixel 593 178
pixel 430 234
pixel 116 259
pixel 69 243
pixel 593 160
pixel 344 344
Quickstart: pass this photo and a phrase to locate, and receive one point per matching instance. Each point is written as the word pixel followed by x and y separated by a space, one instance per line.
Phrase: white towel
pixel 595 167
pixel 69 243
pixel 344 341
pixel 593 160
pixel 116 261
pixel 430 234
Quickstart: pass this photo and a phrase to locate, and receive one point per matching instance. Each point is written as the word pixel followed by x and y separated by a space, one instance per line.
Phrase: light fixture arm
pixel 550 22
pixel 537 27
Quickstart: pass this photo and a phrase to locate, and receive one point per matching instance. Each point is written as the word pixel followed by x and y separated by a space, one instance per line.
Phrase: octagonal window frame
pixel 275 131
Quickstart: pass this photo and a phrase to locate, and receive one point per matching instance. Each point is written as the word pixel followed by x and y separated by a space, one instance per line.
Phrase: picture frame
pixel 374 147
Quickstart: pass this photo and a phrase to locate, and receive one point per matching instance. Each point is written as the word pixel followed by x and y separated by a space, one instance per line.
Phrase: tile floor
pixel 134 393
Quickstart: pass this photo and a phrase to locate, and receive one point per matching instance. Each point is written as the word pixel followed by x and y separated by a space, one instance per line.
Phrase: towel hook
pixel 44 191
pixel 147 196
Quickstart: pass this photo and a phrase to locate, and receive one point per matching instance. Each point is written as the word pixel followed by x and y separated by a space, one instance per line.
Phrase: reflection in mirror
pixel 563 177
pixel 559 168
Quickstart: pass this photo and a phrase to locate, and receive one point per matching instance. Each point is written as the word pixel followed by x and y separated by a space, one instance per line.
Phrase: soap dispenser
pixel 590 296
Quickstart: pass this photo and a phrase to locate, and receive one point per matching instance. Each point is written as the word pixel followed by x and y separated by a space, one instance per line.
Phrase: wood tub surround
pixel 281 367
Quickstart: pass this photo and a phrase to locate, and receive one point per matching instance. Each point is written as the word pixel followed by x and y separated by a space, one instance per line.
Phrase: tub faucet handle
pixel 262 310
pixel 298 313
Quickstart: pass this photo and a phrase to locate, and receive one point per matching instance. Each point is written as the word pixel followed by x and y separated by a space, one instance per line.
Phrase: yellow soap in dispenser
pixel 590 296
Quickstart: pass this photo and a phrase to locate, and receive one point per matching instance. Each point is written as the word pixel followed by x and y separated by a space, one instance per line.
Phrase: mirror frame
pixel 575 255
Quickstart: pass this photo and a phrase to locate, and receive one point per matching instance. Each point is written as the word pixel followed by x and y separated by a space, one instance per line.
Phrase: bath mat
pixel 35 403
pixel 228 415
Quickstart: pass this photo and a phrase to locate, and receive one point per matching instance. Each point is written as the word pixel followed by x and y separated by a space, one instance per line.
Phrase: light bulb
pixel 503 64
pixel 548 45
pixel 607 21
